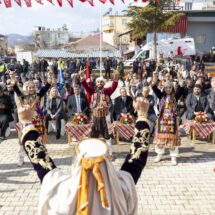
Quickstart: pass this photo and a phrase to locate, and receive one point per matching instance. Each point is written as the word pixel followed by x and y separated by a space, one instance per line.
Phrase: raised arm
pixel 89 89
pixel 17 90
pixel 109 90
pixel 157 91
pixel 36 152
pixel 136 160
pixel 44 90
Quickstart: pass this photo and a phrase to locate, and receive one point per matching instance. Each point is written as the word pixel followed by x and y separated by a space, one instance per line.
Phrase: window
pixel 201 38
pixel 144 54
pixel 188 5
pixel 213 2
pixel 124 21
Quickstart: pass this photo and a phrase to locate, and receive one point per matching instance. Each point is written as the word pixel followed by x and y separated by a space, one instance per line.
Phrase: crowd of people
pixel 159 97
pixel 175 91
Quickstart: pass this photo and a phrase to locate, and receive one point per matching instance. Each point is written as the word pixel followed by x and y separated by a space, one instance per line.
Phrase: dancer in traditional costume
pixel 167 126
pixel 89 189
pixel 29 96
pixel 100 104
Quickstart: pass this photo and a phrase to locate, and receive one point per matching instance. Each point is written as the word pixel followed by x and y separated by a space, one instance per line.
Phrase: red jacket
pixel 107 91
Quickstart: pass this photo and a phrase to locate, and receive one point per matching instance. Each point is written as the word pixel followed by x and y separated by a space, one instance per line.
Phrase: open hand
pixel 25 113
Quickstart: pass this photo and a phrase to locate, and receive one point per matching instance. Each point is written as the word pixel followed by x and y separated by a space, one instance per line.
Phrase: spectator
pixel 54 107
pixel 107 66
pixel 122 104
pixel 6 107
pixel 77 103
pixel 2 70
pixel 196 102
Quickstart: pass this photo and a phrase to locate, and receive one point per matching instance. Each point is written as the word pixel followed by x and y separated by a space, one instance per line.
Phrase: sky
pixel 81 18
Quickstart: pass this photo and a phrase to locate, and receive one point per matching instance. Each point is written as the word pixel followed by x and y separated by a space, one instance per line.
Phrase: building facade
pixel 51 38
pixel 112 27
pixel 3 45
pixel 189 5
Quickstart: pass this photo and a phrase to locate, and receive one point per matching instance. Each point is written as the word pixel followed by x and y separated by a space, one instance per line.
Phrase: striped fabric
pixel 125 131
pixel 79 132
pixel 202 130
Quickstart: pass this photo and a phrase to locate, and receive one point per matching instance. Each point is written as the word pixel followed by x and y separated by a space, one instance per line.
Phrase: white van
pixel 164 48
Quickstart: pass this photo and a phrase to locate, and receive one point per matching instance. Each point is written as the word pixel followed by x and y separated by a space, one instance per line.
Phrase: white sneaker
pixel 174 161
pixel 158 158
pixel 20 162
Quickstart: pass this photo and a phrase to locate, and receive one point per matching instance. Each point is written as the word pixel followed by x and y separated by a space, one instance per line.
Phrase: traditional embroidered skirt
pixel 39 124
pixel 167 131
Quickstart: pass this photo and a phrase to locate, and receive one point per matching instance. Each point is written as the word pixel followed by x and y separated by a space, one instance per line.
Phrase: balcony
pixel 109 27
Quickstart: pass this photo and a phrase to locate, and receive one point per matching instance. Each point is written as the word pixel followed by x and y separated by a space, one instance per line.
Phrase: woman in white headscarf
pixel 94 187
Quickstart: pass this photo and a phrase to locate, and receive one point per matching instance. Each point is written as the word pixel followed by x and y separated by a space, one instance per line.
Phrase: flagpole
pixel 100 45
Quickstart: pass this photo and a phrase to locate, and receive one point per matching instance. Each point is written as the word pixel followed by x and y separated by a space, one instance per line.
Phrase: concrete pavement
pixel 186 189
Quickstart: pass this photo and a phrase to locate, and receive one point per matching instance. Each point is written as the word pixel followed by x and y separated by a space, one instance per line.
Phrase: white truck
pixel 167 48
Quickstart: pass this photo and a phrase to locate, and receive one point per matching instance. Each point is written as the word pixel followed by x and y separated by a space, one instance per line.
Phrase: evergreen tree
pixel 155 17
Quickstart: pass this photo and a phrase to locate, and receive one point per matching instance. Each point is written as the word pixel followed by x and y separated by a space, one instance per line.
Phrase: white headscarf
pixel 59 192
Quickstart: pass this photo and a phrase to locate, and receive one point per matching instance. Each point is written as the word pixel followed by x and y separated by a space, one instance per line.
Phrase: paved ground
pixel 186 189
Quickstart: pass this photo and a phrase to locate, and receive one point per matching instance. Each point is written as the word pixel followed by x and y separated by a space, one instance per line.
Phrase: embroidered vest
pixel 100 104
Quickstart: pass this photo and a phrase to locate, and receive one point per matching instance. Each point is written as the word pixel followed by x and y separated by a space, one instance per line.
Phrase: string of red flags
pixel 28 3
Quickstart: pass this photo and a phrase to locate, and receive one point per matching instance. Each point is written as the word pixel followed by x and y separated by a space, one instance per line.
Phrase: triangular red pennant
pixel 103 1
pixel 59 2
pixel 89 1
pixel 18 2
pixel 28 3
pixel 70 2
pixel 7 3
pixel 50 1
pixel 39 1
pixel 112 2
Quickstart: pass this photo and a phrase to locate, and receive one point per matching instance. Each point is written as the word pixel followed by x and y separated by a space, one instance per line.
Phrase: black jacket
pixel 191 103
pixel 119 105
pixel 72 106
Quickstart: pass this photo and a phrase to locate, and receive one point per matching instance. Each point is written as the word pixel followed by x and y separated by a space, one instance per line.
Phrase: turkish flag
pixel 70 2
pixel 28 3
pixel 39 1
pixel 88 78
pixel 59 2
pixel 112 2
pixel 7 3
pixel 18 2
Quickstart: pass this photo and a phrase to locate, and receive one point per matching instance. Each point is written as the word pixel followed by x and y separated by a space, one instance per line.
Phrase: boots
pixel 174 161
pixel 20 161
pixel 158 158
pixel 58 135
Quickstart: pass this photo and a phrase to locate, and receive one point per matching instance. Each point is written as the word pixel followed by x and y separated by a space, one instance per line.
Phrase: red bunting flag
pixel 7 3
pixel 18 2
pixel 70 2
pixel 60 3
pixel 112 2
pixel 28 3
pixel 103 1
pixel 39 1
pixel 50 1
pixel 89 1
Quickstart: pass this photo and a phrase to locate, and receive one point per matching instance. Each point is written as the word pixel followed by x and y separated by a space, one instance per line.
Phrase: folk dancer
pixel 89 188
pixel 167 125
pixel 100 100
pixel 29 96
